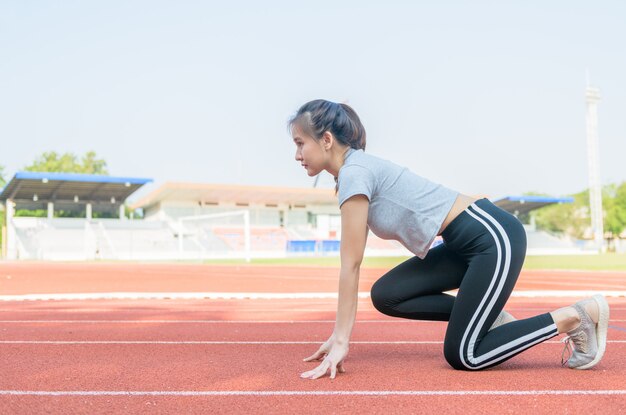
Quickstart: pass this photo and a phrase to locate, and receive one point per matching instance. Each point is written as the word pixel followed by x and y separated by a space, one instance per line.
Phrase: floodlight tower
pixel 593 163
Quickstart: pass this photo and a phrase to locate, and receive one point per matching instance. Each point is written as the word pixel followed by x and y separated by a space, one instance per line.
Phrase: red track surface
pixel 30 278
pixel 198 346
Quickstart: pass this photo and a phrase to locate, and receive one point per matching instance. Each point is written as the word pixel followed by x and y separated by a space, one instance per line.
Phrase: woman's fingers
pixel 306 374
pixel 322 369
pixel 331 359
pixel 315 356
pixel 317 372
pixel 320 354
pixel 309 374
pixel 341 368
pixel 333 371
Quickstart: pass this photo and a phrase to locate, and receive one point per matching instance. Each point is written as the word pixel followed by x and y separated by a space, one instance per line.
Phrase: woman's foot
pixel 586 331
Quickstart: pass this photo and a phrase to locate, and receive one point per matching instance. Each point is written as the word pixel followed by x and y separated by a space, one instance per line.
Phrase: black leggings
pixel 482 255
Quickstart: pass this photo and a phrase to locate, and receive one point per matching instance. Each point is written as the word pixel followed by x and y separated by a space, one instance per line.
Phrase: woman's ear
pixel 328 140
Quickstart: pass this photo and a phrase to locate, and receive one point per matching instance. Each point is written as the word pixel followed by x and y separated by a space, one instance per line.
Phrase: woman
pixel 482 254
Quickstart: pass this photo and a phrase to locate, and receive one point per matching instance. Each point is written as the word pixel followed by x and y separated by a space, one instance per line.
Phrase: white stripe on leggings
pixel 470 351
pixel 474 334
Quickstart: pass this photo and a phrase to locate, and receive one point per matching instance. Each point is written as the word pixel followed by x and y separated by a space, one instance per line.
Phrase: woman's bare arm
pixel 353 237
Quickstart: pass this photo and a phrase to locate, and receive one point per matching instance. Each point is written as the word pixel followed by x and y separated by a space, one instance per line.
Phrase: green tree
pixel 2 181
pixel 92 165
pixel 620 202
pixel 51 161
pixel 574 218
pixel 566 218
pixel 614 204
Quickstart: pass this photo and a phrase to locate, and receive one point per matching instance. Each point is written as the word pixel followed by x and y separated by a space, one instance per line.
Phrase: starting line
pixel 266 296
pixel 311 393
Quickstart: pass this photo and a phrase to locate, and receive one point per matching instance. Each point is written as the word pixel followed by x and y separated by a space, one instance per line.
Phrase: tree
pixel 51 161
pixel 574 218
pixel 615 209
pixel 567 218
pixel 92 165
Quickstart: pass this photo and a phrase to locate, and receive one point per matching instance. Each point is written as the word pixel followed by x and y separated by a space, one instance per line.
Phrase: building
pixel 192 221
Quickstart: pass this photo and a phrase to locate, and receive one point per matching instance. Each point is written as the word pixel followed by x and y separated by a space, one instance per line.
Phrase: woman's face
pixel 309 151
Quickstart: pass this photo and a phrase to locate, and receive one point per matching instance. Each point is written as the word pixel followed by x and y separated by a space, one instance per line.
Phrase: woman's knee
pixel 455 356
pixel 452 356
pixel 380 297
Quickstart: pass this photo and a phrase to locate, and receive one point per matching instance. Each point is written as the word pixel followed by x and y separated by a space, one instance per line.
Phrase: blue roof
pixel 75 177
pixel 33 188
pixel 536 199
pixel 520 205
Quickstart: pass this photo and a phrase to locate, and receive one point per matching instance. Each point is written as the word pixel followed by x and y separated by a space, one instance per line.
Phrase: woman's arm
pixel 353 237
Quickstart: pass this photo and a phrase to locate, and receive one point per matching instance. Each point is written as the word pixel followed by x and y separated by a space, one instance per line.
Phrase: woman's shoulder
pixel 375 164
pixel 361 158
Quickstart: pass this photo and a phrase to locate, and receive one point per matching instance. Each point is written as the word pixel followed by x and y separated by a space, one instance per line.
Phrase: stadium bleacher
pixel 201 221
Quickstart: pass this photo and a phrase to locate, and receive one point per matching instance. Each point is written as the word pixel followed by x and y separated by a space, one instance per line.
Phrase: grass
pixel 603 262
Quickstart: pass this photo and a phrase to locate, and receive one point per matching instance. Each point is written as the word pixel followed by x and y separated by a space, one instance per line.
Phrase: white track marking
pixel 267 296
pixel 317 393
pixel 220 321
pixel 209 321
pixel 208 342
pixel 202 342
pixel 175 296
pixel 108 311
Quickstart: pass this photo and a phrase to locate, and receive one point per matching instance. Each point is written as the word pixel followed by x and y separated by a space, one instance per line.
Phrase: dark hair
pixel 318 116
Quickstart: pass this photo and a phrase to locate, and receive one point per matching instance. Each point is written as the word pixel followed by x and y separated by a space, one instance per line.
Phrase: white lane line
pixel 174 296
pixel 201 342
pixel 209 321
pixel 221 321
pixel 310 393
pixel 225 342
pixel 108 311
pixel 268 295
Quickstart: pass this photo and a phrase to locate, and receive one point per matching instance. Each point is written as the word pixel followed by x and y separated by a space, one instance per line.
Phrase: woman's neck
pixel 337 162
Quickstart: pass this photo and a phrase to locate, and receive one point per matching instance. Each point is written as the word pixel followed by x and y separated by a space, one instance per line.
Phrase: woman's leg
pixel 483 254
pixel 414 289
pixel 494 242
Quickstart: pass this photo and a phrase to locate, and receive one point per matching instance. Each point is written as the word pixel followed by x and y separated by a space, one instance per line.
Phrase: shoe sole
pixel 601 330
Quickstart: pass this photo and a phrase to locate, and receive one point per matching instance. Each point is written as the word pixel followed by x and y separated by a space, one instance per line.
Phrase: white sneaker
pixel 589 338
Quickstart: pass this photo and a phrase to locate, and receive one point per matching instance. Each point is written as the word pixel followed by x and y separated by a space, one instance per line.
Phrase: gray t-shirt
pixel 403 206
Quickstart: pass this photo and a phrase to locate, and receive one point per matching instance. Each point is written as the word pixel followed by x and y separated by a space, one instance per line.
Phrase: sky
pixel 484 97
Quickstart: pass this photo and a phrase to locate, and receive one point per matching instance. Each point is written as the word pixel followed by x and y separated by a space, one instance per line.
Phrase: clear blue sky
pixel 486 97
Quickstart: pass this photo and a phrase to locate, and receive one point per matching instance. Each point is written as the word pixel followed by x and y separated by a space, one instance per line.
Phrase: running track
pixel 193 343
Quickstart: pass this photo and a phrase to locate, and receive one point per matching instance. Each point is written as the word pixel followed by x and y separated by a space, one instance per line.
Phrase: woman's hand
pixel 333 355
